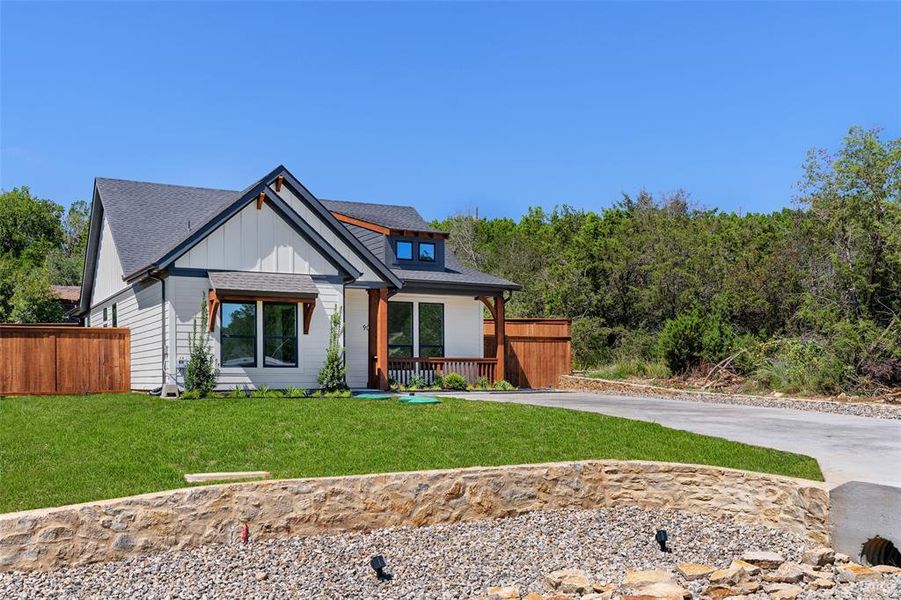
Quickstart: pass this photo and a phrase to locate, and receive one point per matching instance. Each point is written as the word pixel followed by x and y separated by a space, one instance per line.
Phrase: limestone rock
pixel 783 591
pixel 555 578
pixel 719 592
pixel 788 572
pixel 764 560
pixel 887 570
pixel 851 572
pixel 730 576
pixel 575 583
pixel 747 567
pixel 640 578
pixel 818 557
pixel 842 558
pixel 261 575
pixel 664 590
pixel 598 596
pixel 693 571
pixel 822 584
pixel 509 592
pixel 533 596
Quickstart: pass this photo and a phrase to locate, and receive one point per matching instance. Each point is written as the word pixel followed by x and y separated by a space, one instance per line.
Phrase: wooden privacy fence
pixel 56 359
pixel 538 350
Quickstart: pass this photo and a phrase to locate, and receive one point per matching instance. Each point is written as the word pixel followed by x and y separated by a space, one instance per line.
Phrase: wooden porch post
pixel 500 332
pixel 382 339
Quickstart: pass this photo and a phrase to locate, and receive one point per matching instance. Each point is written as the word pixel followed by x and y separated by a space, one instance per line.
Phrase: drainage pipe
pixel 163 315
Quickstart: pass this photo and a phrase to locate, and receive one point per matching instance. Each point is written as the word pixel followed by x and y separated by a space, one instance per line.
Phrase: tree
pixel 32 300
pixel 65 264
pixel 29 226
pixel 201 372
pixel 332 376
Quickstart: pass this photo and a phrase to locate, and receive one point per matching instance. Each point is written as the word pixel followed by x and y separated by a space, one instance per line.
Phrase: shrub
pixel 482 383
pixel 634 367
pixel 438 381
pixel 201 372
pixel 717 339
pixel 237 392
pixel 293 392
pixel 416 382
pixel 333 373
pixel 681 343
pixel 504 385
pixel 454 381
pixel 262 391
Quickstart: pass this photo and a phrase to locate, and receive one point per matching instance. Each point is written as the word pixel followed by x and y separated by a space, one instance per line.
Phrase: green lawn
pixel 66 449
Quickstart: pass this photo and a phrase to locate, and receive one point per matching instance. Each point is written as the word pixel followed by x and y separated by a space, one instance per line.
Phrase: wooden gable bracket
pixel 260 199
pixel 212 308
pixel 489 305
pixel 308 307
pixel 278 183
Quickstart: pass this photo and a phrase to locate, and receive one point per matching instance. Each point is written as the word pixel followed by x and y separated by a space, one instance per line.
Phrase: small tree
pixel 332 375
pixel 33 302
pixel 202 371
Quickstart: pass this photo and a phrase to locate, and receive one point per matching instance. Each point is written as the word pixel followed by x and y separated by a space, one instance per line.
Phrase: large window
pixel 239 334
pixel 431 329
pixel 404 250
pixel 279 335
pixel 400 329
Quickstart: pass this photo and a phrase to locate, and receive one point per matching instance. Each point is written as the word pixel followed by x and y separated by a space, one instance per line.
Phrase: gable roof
pixel 403 218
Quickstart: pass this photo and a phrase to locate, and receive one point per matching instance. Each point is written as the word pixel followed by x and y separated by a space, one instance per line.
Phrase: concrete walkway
pixel 847 447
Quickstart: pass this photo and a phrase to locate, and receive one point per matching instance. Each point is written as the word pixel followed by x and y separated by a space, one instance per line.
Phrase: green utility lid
pixel 373 396
pixel 419 400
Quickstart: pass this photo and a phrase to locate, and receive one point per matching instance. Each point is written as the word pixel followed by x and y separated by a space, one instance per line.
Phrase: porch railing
pixel 403 370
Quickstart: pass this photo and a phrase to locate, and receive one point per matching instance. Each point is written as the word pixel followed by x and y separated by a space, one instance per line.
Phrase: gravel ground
pixel 447 561
pixel 859 409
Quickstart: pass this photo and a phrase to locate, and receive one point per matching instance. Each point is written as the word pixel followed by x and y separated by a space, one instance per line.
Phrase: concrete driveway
pixel 848 448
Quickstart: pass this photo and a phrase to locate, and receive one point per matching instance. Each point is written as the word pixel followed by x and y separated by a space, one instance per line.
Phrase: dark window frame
pixel 223 336
pixel 105 317
pixel 115 312
pixel 397 244
pixel 443 329
pixel 411 345
pixel 295 337
pixel 434 251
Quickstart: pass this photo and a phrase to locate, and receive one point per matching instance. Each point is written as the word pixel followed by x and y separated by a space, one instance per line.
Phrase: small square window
pixel 404 250
pixel 426 251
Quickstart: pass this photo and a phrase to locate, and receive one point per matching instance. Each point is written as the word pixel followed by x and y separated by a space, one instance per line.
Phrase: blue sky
pixel 445 106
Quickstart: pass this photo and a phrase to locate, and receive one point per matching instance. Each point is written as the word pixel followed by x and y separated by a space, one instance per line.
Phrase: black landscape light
pixel 661 539
pixel 378 563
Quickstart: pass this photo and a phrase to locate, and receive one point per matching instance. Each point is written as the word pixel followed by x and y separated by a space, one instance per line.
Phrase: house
pixel 271 264
pixel 67 296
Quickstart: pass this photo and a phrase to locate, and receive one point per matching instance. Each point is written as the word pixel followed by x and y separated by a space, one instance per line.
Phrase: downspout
pixel 163 315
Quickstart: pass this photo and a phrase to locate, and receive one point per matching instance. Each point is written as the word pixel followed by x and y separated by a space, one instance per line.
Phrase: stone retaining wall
pixel 115 529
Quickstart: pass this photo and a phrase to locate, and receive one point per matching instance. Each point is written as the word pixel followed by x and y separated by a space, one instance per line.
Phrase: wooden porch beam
pixel 212 306
pixel 308 316
pixel 278 183
pixel 500 332
pixel 382 339
pixel 484 300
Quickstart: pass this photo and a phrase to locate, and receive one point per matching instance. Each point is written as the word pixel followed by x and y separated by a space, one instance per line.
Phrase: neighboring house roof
pixel 67 293
pixel 277 284
pixel 402 218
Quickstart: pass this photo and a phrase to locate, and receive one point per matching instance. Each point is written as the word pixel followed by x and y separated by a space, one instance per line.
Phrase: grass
pixel 66 449
pixel 626 369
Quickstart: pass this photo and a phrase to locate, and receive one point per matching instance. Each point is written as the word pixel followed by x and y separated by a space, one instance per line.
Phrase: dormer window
pixel 404 250
pixel 426 252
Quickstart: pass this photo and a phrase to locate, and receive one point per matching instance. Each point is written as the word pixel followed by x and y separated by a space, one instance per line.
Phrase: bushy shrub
pixel 454 381
pixel 293 392
pixel 504 385
pixel 201 372
pixel 261 391
pixel 681 343
pixel 334 371
pixel 482 383
pixel 416 382
pixel 801 365
pixel 594 343
pixel 717 339
pixel 438 381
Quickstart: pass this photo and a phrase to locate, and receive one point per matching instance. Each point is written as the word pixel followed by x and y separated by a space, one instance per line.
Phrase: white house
pixel 272 263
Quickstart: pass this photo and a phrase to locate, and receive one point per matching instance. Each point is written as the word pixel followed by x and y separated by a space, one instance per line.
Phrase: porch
pixel 395 356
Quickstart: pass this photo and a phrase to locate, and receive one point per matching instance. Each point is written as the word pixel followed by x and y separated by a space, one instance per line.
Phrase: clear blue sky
pixel 445 106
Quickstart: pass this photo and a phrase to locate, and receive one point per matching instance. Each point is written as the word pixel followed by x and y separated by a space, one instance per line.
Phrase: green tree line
pixel 807 298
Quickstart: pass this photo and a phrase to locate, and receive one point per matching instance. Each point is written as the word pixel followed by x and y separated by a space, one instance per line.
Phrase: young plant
pixel 202 370
pixel 454 381
pixel 333 374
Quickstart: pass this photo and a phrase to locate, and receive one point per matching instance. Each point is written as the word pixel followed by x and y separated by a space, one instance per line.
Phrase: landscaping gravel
pixel 860 409
pixel 446 561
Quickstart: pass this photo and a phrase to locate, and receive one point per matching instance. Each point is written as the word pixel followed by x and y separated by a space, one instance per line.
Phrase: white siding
pixel 138 308
pixel 108 278
pixel 331 237
pixel 356 337
pixel 257 240
pixel 187 294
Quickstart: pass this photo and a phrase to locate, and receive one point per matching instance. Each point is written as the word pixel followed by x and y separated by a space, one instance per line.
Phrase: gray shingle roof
pixel 148 220
pixel 386 215
pixel 252 282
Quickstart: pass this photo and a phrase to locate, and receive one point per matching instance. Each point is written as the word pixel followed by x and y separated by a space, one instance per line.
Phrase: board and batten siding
pixel 138 308
pixel 108 277
pixel 257 240
pixel 330 236
pixel 356 337
pixel 187 295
